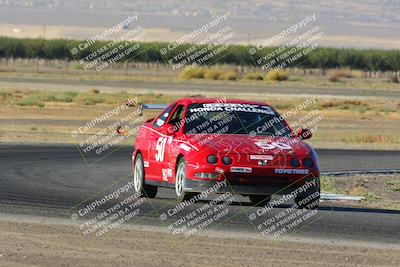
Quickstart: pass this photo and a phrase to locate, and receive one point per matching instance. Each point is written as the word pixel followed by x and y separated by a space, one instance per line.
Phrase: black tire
pixel 259 200
pixel 150 191
pixel 140 187
pixel 309 199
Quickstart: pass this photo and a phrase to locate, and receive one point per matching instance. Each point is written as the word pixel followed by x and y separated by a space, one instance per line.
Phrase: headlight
pixel 227 160
pixel 307 162
pixel 212 159
pixel 295 162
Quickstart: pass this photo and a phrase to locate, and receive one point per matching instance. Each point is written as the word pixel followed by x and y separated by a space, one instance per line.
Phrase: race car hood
pixel 246 144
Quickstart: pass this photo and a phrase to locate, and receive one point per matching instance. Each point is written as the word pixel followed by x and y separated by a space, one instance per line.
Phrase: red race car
pixel 244 147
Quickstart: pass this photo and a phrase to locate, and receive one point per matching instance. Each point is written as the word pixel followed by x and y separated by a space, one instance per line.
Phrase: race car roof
pixel 218 100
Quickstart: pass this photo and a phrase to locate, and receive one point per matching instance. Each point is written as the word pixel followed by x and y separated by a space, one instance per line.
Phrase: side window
pixel 176 118
pixel 163 117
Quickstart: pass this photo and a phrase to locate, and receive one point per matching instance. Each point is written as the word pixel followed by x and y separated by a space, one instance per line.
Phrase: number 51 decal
pixel 160 148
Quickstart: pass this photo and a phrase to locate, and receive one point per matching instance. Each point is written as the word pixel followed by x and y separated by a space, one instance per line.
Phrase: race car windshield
pixel 232 118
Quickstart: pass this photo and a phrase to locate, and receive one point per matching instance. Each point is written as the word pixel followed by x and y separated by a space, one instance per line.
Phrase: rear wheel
pixel 309 199
pixel 149 191
pixel 259 200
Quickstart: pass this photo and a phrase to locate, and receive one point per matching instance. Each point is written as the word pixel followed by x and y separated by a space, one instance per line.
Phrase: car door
pixel 157 142
pixel 165 145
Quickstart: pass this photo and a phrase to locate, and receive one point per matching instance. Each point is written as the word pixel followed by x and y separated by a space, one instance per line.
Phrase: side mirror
pixel 303 134
pixel 150 120
pixel 168 129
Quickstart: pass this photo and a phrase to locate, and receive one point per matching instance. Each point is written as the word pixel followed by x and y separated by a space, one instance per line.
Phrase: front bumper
pixel 225 186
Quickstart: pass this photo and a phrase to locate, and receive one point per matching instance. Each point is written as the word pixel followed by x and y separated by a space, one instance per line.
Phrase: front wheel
pixel 138 179
pixel 180 181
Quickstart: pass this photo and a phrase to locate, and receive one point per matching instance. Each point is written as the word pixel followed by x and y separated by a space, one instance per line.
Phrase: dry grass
pixel 277 75
pixel 90 98
pixel 369 138
pixel 192 73
pixel 208 74
pixel 166 74
pixel 212 74
pixel 358 106
pixel 379 191
pixel 395 79
pixel 357 191
pixel 94 96
pixel 257 76
pixel 229 75
pixel 335 75
pixel 345 123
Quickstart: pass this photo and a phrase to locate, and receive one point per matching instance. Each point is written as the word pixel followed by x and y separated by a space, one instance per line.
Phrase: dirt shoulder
pixel 49 117
pixel 57 244
pixel 378 191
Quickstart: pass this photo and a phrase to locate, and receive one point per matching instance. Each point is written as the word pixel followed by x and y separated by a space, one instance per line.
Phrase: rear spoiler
pixel 152 106
pixel 142 107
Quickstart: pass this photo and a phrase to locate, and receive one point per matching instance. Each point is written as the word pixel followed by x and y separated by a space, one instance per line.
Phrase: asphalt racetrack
pixel 49 180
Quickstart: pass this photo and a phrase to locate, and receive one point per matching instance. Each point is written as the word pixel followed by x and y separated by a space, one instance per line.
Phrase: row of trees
pixel 320 57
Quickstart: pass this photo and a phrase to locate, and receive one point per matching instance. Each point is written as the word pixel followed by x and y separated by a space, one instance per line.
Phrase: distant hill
pixel 355 23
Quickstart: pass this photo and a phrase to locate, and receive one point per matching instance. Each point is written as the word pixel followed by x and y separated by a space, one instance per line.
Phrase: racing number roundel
pixel 270 146
pixel 160 148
